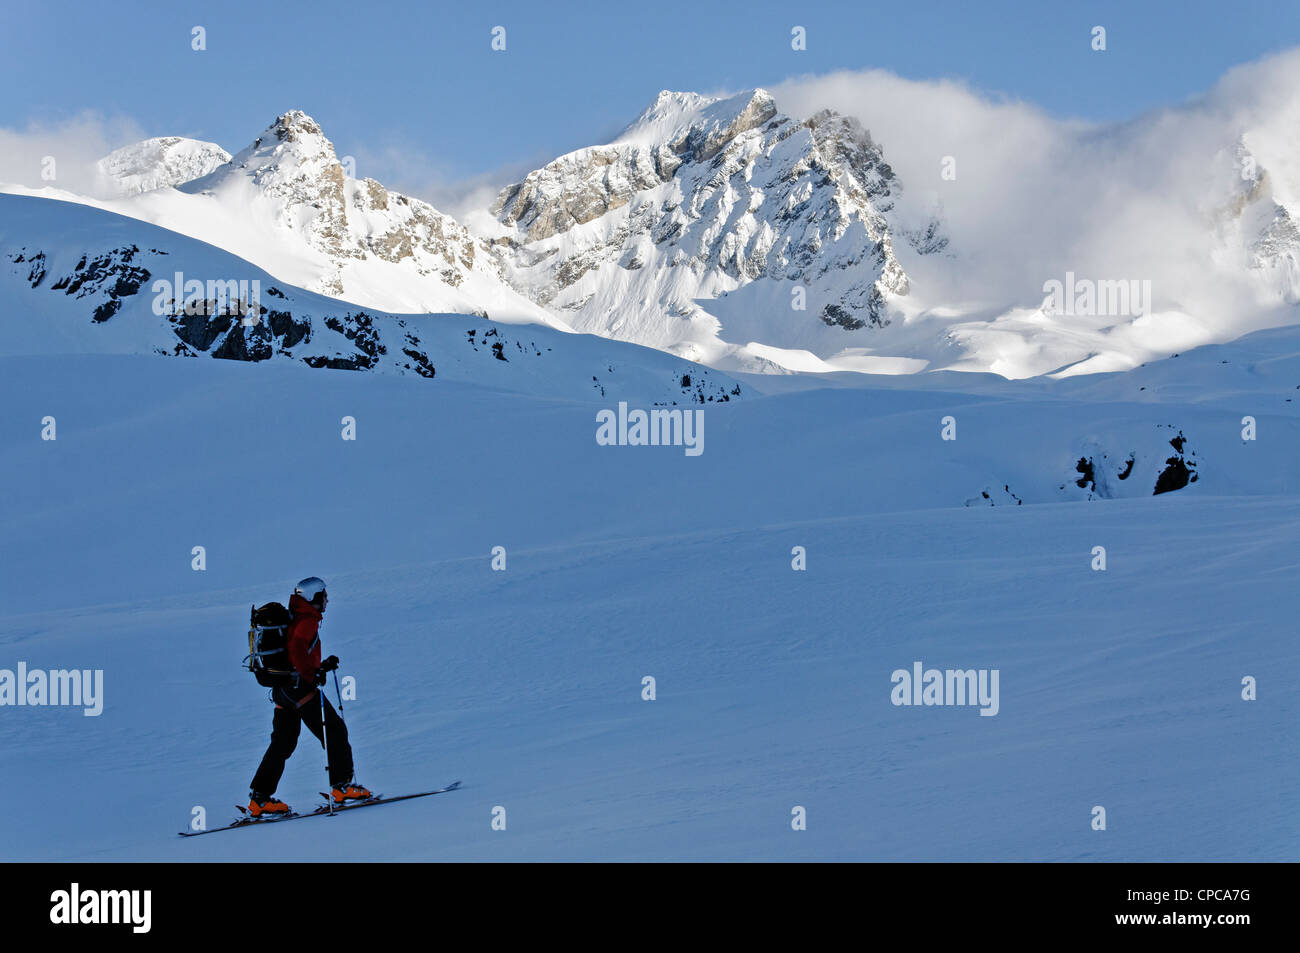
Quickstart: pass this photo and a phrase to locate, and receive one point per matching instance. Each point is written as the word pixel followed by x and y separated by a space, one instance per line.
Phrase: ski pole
pixel 325 740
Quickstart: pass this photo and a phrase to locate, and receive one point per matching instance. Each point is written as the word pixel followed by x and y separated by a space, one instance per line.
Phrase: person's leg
pixel 285 725
pixel 339 754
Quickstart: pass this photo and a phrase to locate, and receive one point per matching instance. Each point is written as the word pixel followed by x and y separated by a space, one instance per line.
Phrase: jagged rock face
pixel 1256 223
pixel 159 163
pixel 294 166
pixel 105 278
pixel 1278 249
pixel 698 198
pixel 577 188
pixel 1279 237
pixel 415 229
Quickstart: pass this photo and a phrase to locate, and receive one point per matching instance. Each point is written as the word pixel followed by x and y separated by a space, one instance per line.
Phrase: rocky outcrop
pixel 294 167
pixel 698 198
pixel 106 278
pixel 1104 472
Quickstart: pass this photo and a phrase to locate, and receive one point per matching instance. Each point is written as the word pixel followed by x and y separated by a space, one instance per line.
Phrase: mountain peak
pixel 346 235
pixel 708 212
pixel 293 134
pixel 723 120
pixel 292 157
pixel 293 125
pixel 665 115
pixel 162 162
pixel 673 115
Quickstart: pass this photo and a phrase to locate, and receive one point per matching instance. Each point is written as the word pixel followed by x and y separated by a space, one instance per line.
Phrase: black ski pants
pixel 293 708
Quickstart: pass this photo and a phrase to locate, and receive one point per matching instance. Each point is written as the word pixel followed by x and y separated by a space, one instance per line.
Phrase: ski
pixel 324 809
pixel 377 799
pixel 246 822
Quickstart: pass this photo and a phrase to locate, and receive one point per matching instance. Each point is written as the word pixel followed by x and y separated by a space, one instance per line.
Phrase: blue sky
pixel 405 84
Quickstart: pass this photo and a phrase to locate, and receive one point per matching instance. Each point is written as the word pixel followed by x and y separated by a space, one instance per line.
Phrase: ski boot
pixel 260 805
pixel 349 792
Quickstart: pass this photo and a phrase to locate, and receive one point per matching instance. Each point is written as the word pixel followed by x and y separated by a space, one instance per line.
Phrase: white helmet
pixel 310 588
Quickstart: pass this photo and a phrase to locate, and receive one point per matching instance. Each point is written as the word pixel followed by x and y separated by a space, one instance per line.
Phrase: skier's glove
pixel 330 664
pixel 321 677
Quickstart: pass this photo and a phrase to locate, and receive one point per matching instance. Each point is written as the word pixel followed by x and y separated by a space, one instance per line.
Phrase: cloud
pixel 66 149
pixel 1035 195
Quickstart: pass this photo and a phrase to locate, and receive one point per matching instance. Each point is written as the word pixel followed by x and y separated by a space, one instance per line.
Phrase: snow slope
pixel 75 279
pixel 1118 688
pixel 286 203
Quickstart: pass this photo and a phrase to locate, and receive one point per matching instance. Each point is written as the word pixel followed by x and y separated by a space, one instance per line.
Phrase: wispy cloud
pixel 66 149
pixel 1036 195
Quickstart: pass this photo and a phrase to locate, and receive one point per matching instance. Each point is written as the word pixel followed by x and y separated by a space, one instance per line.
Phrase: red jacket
pixel 302 640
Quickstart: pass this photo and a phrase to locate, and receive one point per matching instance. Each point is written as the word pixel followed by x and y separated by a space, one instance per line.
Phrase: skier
pixel 297 702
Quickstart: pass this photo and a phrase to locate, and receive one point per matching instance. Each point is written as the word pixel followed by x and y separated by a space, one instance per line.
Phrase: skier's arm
pixel 301 637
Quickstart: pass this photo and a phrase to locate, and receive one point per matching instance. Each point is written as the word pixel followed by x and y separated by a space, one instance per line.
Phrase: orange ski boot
pixel 259 806
pixel 349 792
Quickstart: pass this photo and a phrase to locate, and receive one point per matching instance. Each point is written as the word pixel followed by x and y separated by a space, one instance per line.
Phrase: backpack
pixel 268 656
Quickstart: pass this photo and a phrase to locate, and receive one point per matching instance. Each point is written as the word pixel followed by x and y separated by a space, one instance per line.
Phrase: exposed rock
pixel 295 166
pixel 729 190
pixel 1180 469
pixel 107 278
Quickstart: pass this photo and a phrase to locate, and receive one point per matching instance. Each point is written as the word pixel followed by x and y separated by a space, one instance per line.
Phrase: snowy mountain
pixel 640 238
pixel 159 163
pixel 368 244
pixel 284 204
pixel 729 233
pixel 708 223
pixel 77 280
